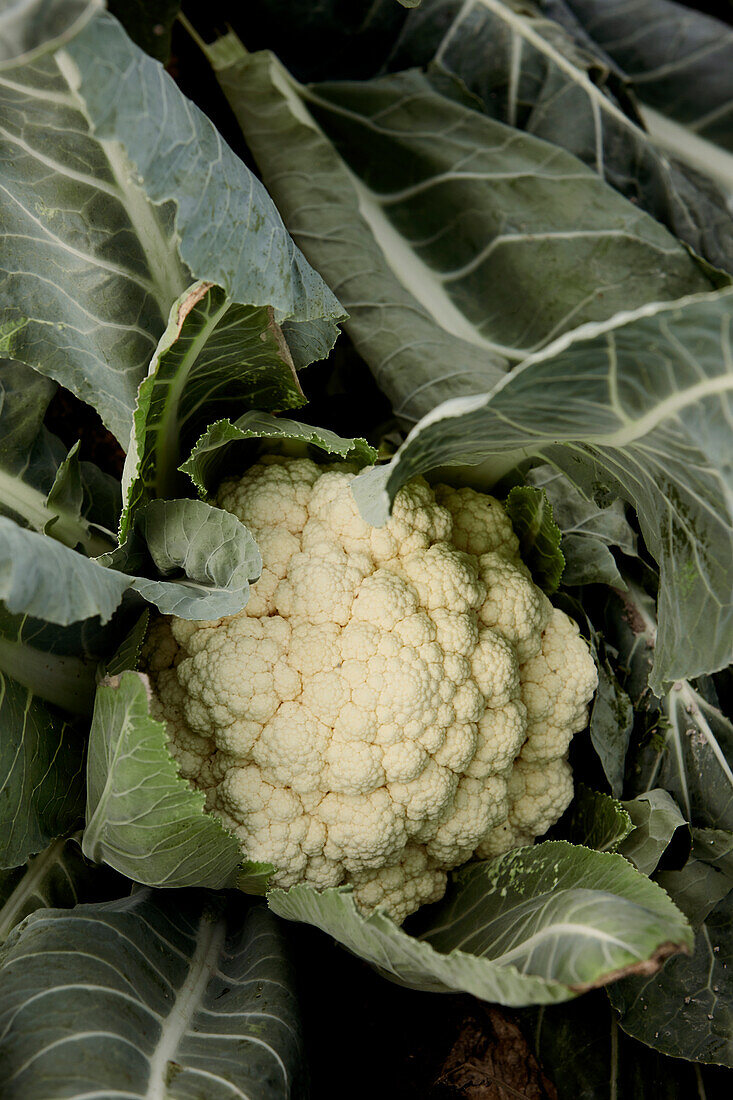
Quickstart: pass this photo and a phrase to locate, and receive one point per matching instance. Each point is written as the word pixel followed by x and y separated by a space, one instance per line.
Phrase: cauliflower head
pixel 390 702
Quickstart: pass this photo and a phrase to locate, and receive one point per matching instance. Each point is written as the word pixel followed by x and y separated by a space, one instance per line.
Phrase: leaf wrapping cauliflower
pixel 390 702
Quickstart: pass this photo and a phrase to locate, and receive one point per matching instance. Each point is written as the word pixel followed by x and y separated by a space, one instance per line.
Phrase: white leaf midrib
pixel 210 941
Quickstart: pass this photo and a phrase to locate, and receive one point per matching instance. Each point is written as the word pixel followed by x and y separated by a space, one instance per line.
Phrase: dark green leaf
pixel 377 166
pixel 611 720
pixel 684 1010
pixel 168 994
pixel 588 1057
pixel 525 70
pixel 148 22
pixel 680 61
pixel 58 877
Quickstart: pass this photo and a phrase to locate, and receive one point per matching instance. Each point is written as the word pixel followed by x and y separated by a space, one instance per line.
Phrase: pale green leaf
pixel 143 819
pixel 212 548
pixel 536 926
pixel 216 445
pixel 173 995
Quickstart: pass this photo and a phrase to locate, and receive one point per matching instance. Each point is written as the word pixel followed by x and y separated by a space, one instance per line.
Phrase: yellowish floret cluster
pixel 392 700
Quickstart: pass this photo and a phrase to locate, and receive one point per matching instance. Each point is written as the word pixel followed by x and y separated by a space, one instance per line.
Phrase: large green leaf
pixel 638 407
pixel 108 215
pixel 214 359
pixel 527 71
pixel 155 995
pixel 536 926
pixel 58 877
pixel 680 61
pixel 143 819
pixel 218 445
pixel 451 215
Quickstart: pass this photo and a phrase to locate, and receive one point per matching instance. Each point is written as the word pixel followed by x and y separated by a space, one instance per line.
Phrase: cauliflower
pixel 390 702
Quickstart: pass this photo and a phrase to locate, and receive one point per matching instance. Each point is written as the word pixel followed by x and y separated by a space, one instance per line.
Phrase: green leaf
pixel 127 654
pixel 29 28
pixel 110 217
pixel 587 530
pixel 714 846
pixel 539 536
pixel 47 679
pixel 527 71
pixel 57 877
pixel 143 819
pixel 215 446
pixel 611 718
pixel 680 61
pixel 214 551
pixel 691 756
pixel 638 407
pixel 657 821
pixel 597 820
pixel 689 748
pixel 588 1057
pixel 41 487
pixel 371 168
pixel 213 358
pixel 173 995
pixel 685 1009
pixel 536 926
